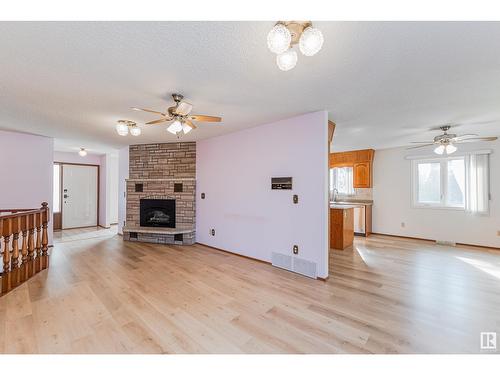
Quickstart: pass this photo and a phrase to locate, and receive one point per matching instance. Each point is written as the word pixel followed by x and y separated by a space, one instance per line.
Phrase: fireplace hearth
pixel 157 213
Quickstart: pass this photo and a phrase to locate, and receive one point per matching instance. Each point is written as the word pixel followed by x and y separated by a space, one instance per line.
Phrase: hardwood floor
pixel 387 295
pixel 84 233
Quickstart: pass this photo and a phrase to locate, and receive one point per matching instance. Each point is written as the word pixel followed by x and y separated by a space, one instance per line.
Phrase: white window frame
pixel 443 183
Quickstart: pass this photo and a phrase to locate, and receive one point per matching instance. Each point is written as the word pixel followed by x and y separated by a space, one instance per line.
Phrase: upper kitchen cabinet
pixel 362 175
pixel 362 163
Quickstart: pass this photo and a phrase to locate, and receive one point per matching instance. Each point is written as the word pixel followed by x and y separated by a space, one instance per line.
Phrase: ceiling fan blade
pixel 478 139
pixel 458 137
pixel 203 118
pixel 148 110
pixel 158 121
pixel 183 108
pixel 190 123
pixel 422 142
pixel 426 145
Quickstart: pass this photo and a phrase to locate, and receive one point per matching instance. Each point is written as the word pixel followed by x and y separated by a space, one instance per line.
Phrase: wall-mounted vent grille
pixel 281 261
pixel 294 264
pixel 446 243
pixel 304 267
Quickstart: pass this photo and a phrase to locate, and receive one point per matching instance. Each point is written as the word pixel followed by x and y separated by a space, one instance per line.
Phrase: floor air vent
pixel 446 243
pixel 294 264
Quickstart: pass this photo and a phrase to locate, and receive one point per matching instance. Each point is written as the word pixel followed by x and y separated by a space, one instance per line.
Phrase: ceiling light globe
pixel 279 39
pixel 175 127
pixel 311 41
pixel 135 131
pixel 82 152
pixel 439 150
pixel 450 149
pixel 287 60
pixel 122 129
pixel 186 128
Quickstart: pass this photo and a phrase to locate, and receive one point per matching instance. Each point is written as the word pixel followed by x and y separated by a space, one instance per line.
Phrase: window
pixel 455 182
pixel 57 188
pixel 341 179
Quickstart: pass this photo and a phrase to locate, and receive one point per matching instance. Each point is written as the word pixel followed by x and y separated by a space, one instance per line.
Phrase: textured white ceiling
pixel 383 83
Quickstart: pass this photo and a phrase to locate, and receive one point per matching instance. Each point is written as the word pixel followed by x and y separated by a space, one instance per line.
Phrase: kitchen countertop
pixel 356 203
pixel 345 206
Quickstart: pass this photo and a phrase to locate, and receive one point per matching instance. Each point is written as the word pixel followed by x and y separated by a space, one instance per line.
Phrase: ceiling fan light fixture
pixel 184 108
pixel 311 41
pixel 135 131
pixel 439 149
pixel 450 149
pixel 122 128
pixel 279 39
pixel 287 60
pixel 82 152
pixel 175 127
pixel 186 128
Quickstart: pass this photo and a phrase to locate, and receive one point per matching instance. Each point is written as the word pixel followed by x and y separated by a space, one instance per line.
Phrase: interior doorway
pixel 76 195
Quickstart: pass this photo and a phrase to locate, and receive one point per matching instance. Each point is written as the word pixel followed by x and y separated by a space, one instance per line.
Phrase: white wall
pixel 26 171
pixel 235 170
pixel 392 202
pixel 73 157
pixel 123 164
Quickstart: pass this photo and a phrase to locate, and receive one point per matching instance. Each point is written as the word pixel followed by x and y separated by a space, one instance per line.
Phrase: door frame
pixel 61 192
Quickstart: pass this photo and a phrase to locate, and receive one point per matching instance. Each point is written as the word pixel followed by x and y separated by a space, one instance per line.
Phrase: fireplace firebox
pixel 157 213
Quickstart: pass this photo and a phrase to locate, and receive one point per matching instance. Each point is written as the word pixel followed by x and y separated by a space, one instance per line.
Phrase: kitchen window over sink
pixel 341 179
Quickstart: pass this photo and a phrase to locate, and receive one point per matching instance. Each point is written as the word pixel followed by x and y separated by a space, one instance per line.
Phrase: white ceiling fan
pixel 446 142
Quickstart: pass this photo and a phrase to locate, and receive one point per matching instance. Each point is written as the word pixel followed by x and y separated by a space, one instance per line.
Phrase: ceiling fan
pixel 179 114
pixel 446 142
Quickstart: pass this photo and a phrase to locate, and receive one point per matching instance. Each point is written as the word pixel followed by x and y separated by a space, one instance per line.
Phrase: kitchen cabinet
pixel 341 227
pixel 362 175
pixel 362 163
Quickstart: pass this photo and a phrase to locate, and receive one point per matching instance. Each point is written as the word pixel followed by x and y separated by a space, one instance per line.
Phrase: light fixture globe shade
pixel 135 131
pixel 122 129
pixel 439 150
pixel 82 152
pixel 310 41
pixel 450 149
pixel 186 128
pixel 287 60
pixel 175 127
pixel 279 39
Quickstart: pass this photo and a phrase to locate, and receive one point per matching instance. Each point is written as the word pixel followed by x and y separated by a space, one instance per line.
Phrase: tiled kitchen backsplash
pixel 359 193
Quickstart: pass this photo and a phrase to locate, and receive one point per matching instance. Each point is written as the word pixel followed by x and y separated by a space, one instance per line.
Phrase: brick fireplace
pixel 162 182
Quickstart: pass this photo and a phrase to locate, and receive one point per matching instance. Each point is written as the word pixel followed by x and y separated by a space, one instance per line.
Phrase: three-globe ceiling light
pixel 285 35
pixel 448 149
pixel 124 126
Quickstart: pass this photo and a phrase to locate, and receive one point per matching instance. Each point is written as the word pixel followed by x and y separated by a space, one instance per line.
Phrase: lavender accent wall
pixel 234 171
pixel 26 171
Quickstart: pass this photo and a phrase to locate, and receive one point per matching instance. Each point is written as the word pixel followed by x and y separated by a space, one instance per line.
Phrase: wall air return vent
pixel 294 264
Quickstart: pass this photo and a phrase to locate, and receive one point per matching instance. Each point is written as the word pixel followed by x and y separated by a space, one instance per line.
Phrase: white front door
pixel 79 196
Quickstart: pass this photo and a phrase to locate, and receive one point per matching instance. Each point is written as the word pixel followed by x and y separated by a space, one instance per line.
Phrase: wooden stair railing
pixel 21 262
